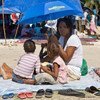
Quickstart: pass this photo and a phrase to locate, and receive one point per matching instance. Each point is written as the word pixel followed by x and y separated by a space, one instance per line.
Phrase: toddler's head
pixel 29 46
pixel 53 50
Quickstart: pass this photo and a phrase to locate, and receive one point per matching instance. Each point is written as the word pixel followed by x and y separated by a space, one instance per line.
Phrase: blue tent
pixel 16 6
pixel 19 6
pixel 9 10
pixel 51 9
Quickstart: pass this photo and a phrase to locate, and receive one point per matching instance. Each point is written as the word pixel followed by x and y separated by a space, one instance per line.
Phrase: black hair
pixel 29 46
pixel 68 22
pixel 53 48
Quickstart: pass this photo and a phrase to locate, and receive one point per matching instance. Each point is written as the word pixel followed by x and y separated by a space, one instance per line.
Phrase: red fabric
pixel 14 17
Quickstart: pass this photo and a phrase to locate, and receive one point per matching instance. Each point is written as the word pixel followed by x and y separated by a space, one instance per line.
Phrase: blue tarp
pixel 51 9
pixel 16 6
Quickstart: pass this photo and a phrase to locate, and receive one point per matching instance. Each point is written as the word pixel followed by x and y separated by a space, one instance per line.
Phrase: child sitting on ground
pixel 58 74
pixel 23 72
pixel 43 52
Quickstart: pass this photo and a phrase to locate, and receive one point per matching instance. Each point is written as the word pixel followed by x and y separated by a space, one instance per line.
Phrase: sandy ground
pixel 11 55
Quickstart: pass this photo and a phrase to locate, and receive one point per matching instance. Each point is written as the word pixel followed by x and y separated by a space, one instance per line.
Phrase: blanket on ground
pixel 8 86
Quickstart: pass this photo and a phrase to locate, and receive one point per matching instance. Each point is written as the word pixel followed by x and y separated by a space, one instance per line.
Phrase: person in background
pixel 93 25
pixel 25 33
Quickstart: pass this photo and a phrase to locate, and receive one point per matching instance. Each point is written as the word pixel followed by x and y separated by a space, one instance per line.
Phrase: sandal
pixel 39 93
pixel 48 93
pixel 6 96
pixel 22 95
pixel 71 92
pixel 93 90
pixel 29 94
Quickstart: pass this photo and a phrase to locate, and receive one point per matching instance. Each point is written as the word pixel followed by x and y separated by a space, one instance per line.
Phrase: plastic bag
pixel 84 68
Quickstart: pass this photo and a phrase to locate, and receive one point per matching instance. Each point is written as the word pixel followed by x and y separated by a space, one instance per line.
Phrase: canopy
pixel 51 9
pixel 16 6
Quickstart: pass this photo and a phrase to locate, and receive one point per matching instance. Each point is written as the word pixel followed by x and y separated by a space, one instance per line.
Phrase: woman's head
pixel 64 26
pixel 29 46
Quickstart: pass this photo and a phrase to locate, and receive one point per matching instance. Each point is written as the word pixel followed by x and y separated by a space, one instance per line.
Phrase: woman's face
pixel 63 29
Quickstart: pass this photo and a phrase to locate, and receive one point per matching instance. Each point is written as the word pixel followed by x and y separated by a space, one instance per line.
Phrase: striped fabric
pixel 26 65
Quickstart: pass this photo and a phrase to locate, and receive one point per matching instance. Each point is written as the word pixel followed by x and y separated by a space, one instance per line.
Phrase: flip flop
pixel 29 94
pixel 39 93
pixel 97 93
pixel 48 93
pixel 6 96
pixel 22 95
pixel 11 95
pixel 71 92
pixel 93 90
pixel 89 90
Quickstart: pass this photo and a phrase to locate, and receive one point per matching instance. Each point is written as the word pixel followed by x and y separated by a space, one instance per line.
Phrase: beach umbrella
pixel 51 9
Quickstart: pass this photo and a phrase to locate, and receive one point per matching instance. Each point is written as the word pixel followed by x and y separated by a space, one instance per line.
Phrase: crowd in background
pixel 87 24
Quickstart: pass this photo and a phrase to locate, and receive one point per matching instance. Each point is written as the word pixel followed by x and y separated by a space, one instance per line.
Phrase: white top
pixel 78 54
pixel 77 17
pixel 26 65
pixel 93 19
pixel 85 15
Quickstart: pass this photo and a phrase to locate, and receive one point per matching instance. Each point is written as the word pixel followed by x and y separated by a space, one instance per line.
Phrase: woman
pixel 71 48
pixel 70 51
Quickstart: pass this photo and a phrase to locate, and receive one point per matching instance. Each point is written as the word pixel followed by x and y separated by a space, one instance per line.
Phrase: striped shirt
pixel 26 65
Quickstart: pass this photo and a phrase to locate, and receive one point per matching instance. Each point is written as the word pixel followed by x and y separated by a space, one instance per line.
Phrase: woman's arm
pixel 67 54
pixel 54 72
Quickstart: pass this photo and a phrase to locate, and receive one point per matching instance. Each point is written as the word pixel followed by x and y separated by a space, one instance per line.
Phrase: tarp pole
pixel 16 31
pixel 3 21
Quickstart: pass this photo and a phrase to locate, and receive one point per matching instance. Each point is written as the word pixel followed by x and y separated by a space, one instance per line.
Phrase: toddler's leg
pixel 7 68
pixel 29 81
pixel 0 72
pixel 6 71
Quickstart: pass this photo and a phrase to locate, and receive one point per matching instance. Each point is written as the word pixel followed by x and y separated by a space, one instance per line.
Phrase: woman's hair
pixel 29 46
pixel 68 23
